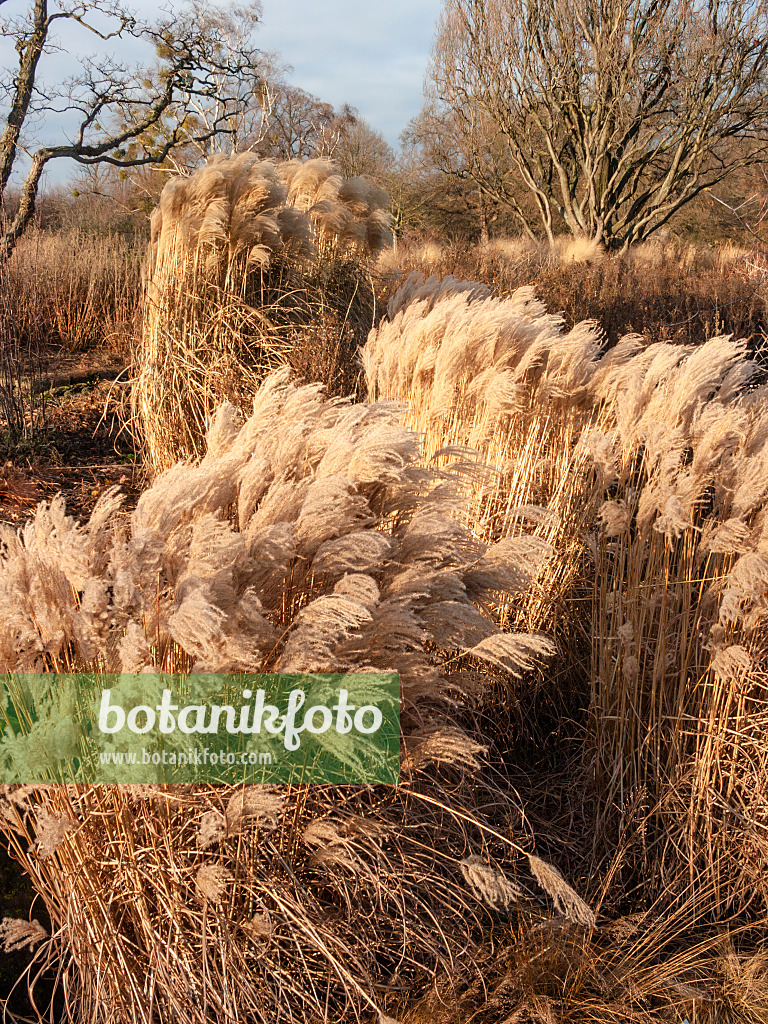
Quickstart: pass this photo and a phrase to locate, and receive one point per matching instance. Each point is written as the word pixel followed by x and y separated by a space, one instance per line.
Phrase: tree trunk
pixel 29 55
pixel 26 210
pixel 484 236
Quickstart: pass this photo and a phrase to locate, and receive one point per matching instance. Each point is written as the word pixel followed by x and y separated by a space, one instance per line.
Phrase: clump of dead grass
pixel 60 292
pixel 639 969
pixel 311 537
pixel 642 466
pixel 244 255
pixel 668 291
pixel 503 377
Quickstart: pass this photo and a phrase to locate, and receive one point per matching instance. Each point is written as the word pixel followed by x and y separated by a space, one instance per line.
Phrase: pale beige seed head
pixel 211 829
pixel 51 831
pixel 260 927
pixel 489 884
pixel 567 901
pixel 212 881
pixel 263 803
pixel 16 934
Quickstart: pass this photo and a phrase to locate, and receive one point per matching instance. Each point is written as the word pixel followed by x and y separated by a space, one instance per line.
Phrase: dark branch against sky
pixel 370 55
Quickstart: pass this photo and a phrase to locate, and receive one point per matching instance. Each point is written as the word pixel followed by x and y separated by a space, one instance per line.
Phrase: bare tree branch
pixel 613 113
pixel 128 117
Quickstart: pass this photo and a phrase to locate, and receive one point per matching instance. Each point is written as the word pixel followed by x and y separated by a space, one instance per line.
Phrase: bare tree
pixel 246 102
pixel 613 113
pixel 124 116
pixel 295 123
pixel 356 147
pixel 468 148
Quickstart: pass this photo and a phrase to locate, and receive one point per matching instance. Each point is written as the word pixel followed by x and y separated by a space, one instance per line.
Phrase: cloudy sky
pixel 372 55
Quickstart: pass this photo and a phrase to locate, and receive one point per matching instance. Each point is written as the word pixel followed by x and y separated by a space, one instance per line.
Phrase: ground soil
pixel 84 447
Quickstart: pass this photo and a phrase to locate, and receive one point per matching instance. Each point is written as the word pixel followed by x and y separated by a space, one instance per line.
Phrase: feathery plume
pixel 567 901
pixel 51 831
pixel 488 883
pixel 18 934
pixel 212 881
pixel 264 803
pixel 210 829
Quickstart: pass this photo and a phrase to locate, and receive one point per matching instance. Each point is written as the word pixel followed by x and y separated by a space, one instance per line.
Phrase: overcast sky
pixel 372 55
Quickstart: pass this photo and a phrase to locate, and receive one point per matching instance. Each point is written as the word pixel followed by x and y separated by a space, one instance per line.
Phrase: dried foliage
pixel 244 255
pixel 614 520
pixel 64 292
pixel 73 290
pixel 637 970
pixel 310 537
pixel 644 467
pixel 670 291
pixel 502 377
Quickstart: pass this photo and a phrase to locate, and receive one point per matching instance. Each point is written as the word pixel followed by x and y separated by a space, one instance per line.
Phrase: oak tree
pixel 121 115
pixel 613 114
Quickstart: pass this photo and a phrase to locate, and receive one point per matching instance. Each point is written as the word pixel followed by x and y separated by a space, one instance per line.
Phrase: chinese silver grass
pixel 210 829
pixel 212 881
pixel 51 829
pixel 567 900
pixel 345 212
pixel 650 464
pixel 271 587
pixel 263 804
pixel 501 376
pixel 17 934
pixel 288 894
pixel 238 262
pixel 310 534
pixel 674 531
pixel 638 968
pixel 489 884
pixel 443 744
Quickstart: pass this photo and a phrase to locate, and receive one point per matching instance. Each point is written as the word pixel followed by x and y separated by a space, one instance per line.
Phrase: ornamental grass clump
pixel 310 537
pixel 500 376
pixel 346 213
pixel 336 528
pixel 639 969
pixel 244 257
pixel 644 468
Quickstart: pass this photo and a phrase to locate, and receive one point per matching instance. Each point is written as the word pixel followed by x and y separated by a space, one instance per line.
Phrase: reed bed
pixel 74 291
pixel 310 537
pixel 245 255
pixel 644 464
